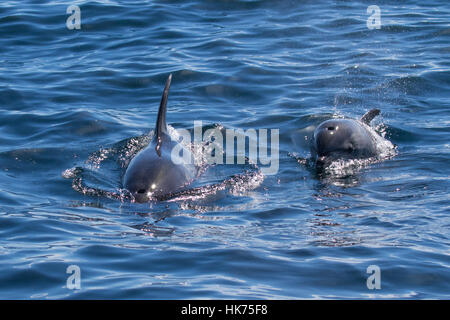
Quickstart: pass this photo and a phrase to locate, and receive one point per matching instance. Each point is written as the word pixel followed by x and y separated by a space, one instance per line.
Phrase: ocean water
pixel 77 104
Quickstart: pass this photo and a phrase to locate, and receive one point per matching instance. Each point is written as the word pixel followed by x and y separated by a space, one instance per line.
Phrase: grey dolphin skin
pixel 344 138
pixel 152 173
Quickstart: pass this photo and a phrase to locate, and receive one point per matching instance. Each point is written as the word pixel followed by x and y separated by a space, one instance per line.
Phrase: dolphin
pixel 152 174
pixel 344 138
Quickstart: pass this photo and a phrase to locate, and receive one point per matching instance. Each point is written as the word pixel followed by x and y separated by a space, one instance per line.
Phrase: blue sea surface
pixel 76 104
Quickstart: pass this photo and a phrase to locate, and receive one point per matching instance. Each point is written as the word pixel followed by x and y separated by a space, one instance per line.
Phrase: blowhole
pixel 330 128
pixel 141 191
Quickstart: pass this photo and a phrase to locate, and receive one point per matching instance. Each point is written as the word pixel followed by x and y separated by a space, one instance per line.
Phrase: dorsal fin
pixel 369 115
pixel 161 126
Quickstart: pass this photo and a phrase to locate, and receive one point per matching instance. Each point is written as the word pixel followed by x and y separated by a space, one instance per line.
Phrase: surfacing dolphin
pixel 344 138
pixel 152 173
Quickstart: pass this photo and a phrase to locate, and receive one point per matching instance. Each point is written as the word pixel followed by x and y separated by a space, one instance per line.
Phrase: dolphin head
pixel 149 176
pixel 340 138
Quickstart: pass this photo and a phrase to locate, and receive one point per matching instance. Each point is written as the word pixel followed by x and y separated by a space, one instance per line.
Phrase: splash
pixel 101 173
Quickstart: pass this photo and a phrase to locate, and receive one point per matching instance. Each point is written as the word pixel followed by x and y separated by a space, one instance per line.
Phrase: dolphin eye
pixel 330 128
pixel 141 191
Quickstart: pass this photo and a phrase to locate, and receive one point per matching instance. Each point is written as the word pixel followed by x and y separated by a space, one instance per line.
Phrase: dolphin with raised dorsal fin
pixel 152 173
pixel 344 138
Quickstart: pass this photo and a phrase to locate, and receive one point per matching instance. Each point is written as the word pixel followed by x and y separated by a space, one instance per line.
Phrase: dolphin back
pixel 153 174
